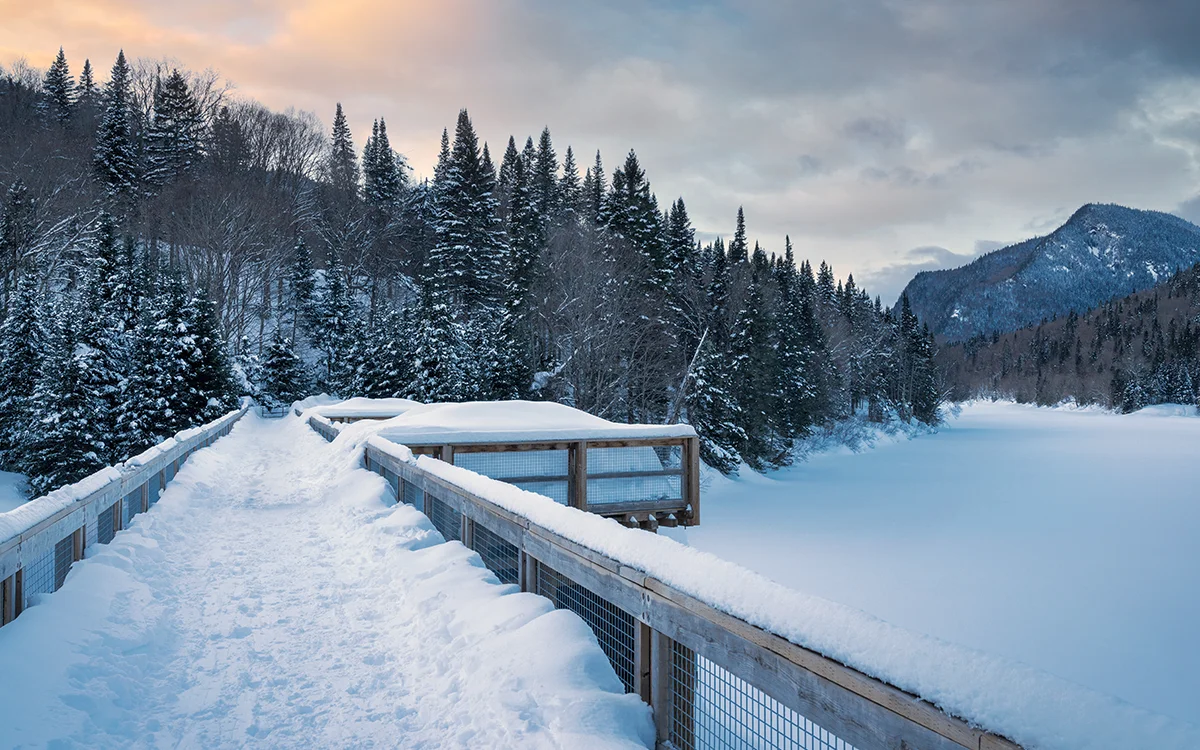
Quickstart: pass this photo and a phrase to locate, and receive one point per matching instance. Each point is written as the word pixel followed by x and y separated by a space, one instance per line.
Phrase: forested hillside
pixel 1102 252
pixel 156 221
pixel 1133 352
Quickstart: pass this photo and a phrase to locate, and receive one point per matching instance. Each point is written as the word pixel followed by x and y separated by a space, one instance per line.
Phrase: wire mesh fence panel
pixel 500 557
pixel 106 523
pixel 554 489
pixel 64 555
pixel 169 472
pixel 613 626
pixel 445 519
pixel 634 488
pixel 634 458
pixel 154 487
pixel 543 472
pixel 39 577
pixel 505 465
pixel 413 494
pixel 133 506
pixel 712 709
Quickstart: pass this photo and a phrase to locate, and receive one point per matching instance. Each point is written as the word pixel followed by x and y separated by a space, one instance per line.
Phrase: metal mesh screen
pixel 711 709
pixel 39 577
pixel 445 519
pixel 556 490
pixel 613 626
pixel 499 556
pixel 64 555
pixel 133 506
pixel 515 464
pixel 630 489
pixel 633 458
pixel 106 523
pixel 154 486
pixel 412 494
pixel 169 472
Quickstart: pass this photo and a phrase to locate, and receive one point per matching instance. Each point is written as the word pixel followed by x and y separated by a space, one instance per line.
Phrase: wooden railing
pixel 576 480
pixel 713 680
pixel 35 559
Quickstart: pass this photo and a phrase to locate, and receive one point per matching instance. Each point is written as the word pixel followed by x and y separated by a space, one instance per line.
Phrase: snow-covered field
pixel 1063 538
pixel 275 598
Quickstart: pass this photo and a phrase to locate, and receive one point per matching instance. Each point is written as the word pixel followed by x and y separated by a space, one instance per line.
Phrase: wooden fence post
pixel 577 475
pixel 691 477
pixel 8 597
pixel 661 701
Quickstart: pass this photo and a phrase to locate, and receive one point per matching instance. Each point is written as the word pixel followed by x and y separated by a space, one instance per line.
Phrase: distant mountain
pixel 1127 353
pixel 1100 253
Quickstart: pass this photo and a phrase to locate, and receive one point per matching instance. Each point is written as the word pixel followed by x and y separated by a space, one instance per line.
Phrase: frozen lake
pixel 1065 539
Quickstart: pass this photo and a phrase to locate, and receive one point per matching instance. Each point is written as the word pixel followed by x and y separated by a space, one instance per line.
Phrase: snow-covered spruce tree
pixel 111 300
pixel 22 351
pixel 65 445
pixel 116 152
pixel 148 413
pixel 332 327
pixel 301 291
pixel 86 92
pixel 212 374
pixel 342 166
pixel 800 339
pixel 752 369
pixel 382 357
pixel 285 376
pixel 630 211
pixel 714 411
pixel 570 190
pixel 468 235
pixel 738 249
pixel 543 178
pixel 173 139
pixel 439 350
pixel 58 89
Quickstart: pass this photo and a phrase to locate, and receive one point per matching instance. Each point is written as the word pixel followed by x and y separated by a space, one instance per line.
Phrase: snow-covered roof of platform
pixel 511 422
pixel 379 408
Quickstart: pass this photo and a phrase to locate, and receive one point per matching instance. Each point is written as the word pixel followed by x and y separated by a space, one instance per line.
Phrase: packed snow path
pixel 276 596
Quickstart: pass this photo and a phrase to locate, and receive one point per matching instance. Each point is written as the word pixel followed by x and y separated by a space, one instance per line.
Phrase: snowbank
pixel 366 407
pixel 1031 707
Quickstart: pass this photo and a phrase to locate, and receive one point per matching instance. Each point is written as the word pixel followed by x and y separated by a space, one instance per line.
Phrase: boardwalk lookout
pixel 642 475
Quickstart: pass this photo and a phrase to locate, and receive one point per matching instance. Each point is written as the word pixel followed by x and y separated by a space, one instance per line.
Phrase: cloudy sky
pixel 885 136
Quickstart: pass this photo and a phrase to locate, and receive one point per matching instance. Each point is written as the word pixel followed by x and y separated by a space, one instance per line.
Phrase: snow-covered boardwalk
pixel 276 597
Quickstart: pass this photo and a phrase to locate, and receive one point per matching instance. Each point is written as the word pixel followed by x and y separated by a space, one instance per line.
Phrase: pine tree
pixel 738 248
pixel 630 211
pixel 86 92
pixel 438 352
pixel 212 374
pixel 285 377
pixel 59 90
pixel 302 290
pixel 332 333
pixel 544 179
pixel 22 349
pixel 342 166
pixel 65 443
pixel 383 171
pixel 570 191
pixel 714 411
pixel 595 196
pixel 469 237
pixel 801 349
pixel 752 369
pixel 116 154
pixel 173 138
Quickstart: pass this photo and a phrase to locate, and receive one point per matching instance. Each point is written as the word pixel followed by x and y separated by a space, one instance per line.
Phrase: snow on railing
pixel 41 539
pixel 728 658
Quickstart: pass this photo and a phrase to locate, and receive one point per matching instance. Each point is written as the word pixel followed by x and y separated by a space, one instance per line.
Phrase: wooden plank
pixel 641 660
pixel 692 480
pixel 660 684
pixel 638 506
pixel 577 469
pixel 637 442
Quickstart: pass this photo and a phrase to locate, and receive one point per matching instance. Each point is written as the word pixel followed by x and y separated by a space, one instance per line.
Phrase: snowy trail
pixel 272 598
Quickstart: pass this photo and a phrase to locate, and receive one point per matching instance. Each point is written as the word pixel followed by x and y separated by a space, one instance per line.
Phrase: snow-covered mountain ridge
pixel 1101 252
